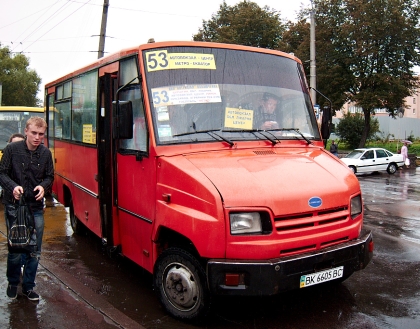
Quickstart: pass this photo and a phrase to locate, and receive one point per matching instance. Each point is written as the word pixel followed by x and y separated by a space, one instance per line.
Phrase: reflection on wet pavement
pixel 384 295
pixel 393 203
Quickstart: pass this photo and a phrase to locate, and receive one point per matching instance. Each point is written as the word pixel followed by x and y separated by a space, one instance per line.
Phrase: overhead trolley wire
pixel 58 23
pixel 44 22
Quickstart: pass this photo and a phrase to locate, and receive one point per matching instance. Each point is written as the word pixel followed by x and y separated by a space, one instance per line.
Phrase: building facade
pixel 406 124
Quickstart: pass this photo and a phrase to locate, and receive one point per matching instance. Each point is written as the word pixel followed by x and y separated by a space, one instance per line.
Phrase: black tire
pixel 180 282
pixel 353 169
pixel 75 223
pixel 392 168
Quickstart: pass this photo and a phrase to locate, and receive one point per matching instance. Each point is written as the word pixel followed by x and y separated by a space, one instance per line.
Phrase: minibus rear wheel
pixel 180 283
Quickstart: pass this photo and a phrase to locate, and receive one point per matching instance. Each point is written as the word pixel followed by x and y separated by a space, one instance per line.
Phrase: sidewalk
pixel 64 302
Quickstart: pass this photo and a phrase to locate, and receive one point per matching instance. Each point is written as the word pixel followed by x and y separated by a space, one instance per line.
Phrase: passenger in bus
pixel 26 168
pixel 266 116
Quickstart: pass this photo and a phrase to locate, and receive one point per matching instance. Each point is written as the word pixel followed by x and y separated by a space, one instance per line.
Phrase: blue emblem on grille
pixel 315 202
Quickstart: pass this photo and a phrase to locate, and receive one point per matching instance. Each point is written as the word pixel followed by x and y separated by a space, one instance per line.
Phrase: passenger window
pixel 381 154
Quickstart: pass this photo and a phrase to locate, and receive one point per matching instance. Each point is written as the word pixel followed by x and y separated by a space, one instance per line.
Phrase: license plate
pixel 320 277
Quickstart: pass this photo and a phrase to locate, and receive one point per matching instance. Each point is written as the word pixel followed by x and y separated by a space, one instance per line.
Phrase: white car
pixel 373 159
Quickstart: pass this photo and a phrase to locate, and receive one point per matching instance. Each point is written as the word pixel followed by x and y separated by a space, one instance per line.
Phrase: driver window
pixel 139 140
pixel 129 74
pixel 369 155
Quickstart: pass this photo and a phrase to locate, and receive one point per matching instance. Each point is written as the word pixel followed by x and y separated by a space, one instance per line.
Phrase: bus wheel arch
pixel 75 223
pixel 167 238
pixel 181 285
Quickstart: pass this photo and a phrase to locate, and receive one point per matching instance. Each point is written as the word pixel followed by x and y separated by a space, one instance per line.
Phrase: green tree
pixel 351 127
pixel 366 52
pixel 244 24
pixel 20 84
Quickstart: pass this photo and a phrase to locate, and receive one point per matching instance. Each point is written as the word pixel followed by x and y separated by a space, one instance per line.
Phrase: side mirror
pixel 122 115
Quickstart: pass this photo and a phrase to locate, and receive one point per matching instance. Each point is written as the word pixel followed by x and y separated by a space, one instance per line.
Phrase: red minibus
pixel 170 154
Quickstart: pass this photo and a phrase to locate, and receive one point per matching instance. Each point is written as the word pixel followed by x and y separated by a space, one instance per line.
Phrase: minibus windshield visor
pixel 207 94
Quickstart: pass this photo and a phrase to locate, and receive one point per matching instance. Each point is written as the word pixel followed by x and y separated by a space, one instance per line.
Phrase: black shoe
pixel 12 291
pixel 32 295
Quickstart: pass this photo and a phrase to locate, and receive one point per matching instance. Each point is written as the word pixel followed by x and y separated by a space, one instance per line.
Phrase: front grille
pixel 312 219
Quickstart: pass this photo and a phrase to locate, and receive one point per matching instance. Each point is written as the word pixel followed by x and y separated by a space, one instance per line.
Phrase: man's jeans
pixel 14 260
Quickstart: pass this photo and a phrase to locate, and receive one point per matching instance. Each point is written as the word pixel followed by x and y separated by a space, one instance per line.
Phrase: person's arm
pixel 45 185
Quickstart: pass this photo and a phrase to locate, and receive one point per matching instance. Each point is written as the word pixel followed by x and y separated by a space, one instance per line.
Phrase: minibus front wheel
pixel 180 282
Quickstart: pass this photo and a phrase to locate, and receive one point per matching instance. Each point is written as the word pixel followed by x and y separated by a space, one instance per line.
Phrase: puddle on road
pixel 392 203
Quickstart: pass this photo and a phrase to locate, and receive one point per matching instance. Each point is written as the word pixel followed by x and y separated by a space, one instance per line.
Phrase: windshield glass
pixel 233 93
pixel 354 154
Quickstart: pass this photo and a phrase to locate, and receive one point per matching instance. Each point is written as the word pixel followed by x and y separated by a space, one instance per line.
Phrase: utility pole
pixel 312 71
pixel 102 34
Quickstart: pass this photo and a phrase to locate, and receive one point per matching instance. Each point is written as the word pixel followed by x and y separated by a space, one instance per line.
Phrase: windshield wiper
pixel 223 138
pixel 253 131
pixel 196 132
pixel 273 142
pixel 297 131
pixel 210 132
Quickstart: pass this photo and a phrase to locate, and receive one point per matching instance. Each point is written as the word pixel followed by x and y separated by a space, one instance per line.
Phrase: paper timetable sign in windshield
pixel 186 94
pixel 162 60
pixel 239 118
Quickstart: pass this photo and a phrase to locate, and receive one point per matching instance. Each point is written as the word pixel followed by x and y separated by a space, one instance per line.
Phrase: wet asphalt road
pixel 83 285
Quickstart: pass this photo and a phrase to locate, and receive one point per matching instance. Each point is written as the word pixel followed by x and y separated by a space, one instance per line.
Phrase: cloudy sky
pixel 59 36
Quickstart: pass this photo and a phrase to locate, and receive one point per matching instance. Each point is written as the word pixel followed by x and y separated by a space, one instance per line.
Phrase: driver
pixel 266 117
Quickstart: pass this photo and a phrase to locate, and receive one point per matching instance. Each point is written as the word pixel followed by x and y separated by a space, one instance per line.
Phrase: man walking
pixel 26 168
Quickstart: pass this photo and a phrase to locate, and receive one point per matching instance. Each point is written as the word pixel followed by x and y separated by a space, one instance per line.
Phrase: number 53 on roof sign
pixel 162 60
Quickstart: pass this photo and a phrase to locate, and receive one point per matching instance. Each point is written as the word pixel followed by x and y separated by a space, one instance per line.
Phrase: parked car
pixel 373 159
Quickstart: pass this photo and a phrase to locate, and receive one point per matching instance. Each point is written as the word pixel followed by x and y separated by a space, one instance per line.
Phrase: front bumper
pixel 269 277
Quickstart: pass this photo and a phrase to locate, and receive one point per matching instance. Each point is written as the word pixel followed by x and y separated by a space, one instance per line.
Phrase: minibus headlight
pixel 245 222
pixel 356 206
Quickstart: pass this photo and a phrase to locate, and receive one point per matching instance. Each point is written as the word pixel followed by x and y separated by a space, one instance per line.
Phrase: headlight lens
pixel 245 222
pixel 356 206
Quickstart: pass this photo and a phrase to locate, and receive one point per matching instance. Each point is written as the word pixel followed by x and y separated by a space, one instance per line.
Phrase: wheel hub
pixel 181 287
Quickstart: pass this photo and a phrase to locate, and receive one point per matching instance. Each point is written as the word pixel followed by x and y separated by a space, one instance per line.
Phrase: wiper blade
pixel 253 131
pixel 196 132
pixel 210 132
pixel 221 137
pixel 273 141
pixel 297 131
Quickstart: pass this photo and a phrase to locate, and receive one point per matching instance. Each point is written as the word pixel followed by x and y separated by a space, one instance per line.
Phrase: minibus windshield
pixel 230 92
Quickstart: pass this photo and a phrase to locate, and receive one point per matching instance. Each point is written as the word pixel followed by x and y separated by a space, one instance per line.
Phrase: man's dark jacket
pixel 21 167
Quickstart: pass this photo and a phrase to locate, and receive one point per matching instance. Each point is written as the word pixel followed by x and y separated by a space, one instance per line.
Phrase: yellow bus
pixel 13 120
